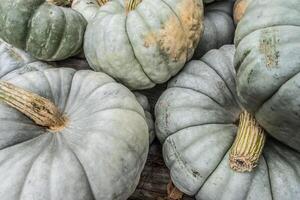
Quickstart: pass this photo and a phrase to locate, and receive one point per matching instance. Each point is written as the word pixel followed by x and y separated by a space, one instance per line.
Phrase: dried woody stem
pixel 65 3
pixel 248 144
pixel 131 5
pixel 42 111
pixel 102 2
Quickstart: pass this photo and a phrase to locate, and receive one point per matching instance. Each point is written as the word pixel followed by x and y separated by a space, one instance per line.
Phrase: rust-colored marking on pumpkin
pixel 177 39
pixel 239 9
pixel 191 17
pixel 268 47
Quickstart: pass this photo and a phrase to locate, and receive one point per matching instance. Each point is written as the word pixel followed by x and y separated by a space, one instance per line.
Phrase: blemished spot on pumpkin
pixel 268 47
pixel 177 39
pixel 239 10
pixel 191 17
pixel 170 39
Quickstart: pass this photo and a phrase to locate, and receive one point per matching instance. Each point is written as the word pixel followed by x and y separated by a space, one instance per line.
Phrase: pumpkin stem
pixel 173 192
pixel 248 144
pixel 64 3
pixel 102 2
pixel 42 111
pixel 131 5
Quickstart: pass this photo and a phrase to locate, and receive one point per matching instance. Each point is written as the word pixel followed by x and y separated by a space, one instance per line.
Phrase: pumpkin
pixel 196 120
pixel 143 43
pixel 218 27
pixel 70 135
pixel 268 65
pixel 14 62
pixel 48 29
pixel 143 100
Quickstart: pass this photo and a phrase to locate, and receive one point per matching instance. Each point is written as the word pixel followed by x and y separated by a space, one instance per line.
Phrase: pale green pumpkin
pixel 142 43
pixel 196 121
pixel 49 32
pixel 87 139
pixel 268 63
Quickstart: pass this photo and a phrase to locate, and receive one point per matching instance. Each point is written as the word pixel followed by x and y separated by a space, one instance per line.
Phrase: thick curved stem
pixel 65 3
pixel 248 144
pixel 131 5
pixel 102 2
pixel 42 111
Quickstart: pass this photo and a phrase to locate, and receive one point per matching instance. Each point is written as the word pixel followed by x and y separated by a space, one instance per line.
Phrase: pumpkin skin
pixel 143 100
pixel 47 31
pixel 99 154
pixel 268 63
pixel 196 122
pixel 15 62
pixel 144 47
pixel 218 27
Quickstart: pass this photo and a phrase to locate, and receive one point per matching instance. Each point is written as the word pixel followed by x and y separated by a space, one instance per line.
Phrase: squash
pixel 268 66
pixel 70 135
pixel 218 27
pixel 45 28
pixel 143 100
pixel 197 119
pixel 14 62
pixel 139 46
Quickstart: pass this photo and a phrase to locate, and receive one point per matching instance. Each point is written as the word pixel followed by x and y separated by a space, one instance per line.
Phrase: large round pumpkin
pixel 87 137
pixel 196 120
pixel 218 27
pixel 143 43
pixel 42 27
pixel 268 63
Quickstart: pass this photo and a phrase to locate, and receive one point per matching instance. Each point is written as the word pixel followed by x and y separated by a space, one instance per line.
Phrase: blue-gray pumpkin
pixel 90 143
pixel 268 63
pixel 196 121
pixel 143 43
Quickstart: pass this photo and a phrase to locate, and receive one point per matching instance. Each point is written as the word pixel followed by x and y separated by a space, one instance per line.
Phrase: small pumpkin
pixel 196 120
pixel 48 29
pixel 218 27
pixel 80 131
pixel 268 66
pixel 143 43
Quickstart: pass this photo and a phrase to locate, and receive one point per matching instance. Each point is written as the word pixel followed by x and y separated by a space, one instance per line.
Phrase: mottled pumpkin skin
pixel 218 27
pixel 99 154
pixel 147 46
pixel 268 62
pixel 47 31
pixel 14 62
pixel 196 122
